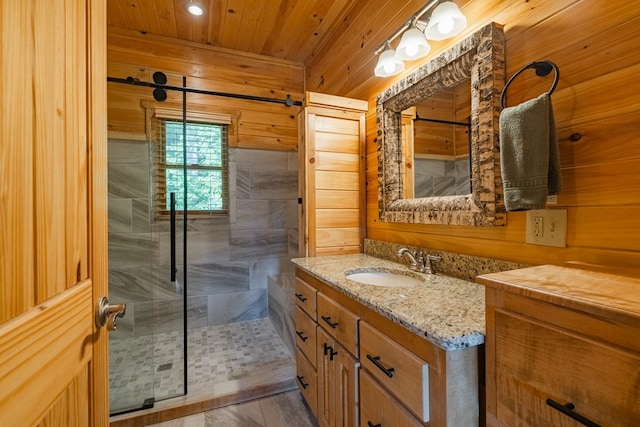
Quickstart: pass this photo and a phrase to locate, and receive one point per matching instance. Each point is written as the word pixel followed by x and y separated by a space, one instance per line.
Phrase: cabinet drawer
pixel 397 369
pixel 306 335
pixel 535 361
pixel 339 323
pixel 307 380
pixel 377 407
pixel 305 296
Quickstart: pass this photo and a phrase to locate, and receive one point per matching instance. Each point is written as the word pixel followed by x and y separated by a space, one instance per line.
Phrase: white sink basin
pixel 384 277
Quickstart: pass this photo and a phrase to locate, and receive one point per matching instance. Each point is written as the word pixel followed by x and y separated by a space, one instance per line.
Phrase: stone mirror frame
pixel 479 57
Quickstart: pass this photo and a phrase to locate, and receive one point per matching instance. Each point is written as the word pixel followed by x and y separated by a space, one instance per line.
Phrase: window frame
pixel 160 166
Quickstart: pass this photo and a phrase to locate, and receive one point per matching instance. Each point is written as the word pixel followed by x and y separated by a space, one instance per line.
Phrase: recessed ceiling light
pixel 195 9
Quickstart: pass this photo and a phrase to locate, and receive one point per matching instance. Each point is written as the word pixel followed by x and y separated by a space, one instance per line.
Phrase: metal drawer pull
pixel 567 409
pixel 370 424
pixel 329 322
pixel 301 335
pixel 376 361
pixel 301 297
pixel 302 383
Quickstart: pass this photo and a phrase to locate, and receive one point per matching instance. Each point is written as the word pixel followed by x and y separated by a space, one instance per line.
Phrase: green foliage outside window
pixel 205 165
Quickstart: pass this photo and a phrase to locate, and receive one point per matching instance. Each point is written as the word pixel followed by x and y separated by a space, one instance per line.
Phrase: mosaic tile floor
pixel 152 366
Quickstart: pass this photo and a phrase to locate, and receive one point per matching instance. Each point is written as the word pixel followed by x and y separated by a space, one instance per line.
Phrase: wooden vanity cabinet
pixel 433 387
pixel 326 350
pixel 562 344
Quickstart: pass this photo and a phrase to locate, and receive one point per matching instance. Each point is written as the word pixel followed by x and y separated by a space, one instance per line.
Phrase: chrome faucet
pixel 420 262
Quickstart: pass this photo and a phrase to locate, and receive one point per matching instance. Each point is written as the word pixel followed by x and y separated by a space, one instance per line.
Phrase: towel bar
pixel 542 69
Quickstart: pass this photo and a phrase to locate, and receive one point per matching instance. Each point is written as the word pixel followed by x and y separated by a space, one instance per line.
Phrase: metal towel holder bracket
pixel 542 69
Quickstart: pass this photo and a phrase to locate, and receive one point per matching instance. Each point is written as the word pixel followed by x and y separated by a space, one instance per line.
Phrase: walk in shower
pixel 211 325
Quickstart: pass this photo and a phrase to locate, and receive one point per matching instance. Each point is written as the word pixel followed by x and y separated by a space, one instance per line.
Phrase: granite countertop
pixel 448 312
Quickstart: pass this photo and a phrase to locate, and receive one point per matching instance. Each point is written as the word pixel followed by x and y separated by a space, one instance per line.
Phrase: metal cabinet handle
pixel 376 361
pixel 370 424
pixel 301 297
pixel 329 322
pixel 106 313
pixel 302 383
pixel 568 410
pixel 301 335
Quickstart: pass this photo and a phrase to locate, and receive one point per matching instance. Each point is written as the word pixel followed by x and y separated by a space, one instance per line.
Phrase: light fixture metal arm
pixel 413 20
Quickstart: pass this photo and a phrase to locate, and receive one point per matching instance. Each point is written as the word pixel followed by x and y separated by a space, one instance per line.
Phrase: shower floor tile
pixel 152 366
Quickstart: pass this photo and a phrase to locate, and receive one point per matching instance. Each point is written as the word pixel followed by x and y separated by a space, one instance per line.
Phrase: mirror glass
pixel 417 157
pixel 436 139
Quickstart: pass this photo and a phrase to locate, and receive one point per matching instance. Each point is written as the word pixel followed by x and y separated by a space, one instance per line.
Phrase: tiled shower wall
pixel 229 259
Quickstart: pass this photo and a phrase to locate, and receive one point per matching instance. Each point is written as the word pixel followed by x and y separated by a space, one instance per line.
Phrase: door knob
pixel 106 313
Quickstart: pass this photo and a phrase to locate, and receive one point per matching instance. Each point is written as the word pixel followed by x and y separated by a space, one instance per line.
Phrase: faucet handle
pixel 429 266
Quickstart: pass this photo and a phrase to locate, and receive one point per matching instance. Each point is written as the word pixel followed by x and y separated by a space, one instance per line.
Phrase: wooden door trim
pixel 98 218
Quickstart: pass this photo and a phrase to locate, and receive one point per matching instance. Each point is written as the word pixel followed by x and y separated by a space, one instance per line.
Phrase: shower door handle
pixel 106 314
pixel 172 201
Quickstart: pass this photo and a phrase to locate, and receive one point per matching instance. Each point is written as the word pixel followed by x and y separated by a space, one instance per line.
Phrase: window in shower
pixel 206 167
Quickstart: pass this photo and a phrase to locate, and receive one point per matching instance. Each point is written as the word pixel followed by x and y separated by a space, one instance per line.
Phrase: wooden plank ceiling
pixel 287 29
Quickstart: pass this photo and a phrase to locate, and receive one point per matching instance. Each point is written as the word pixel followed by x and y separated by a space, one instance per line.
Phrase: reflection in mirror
pixel 477 65
pixel 436 137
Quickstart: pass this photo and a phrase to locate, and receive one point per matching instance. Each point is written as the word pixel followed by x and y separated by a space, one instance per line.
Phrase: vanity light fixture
pixel 388 64
pixel 445 21
pixel 194 8
pixel 413 44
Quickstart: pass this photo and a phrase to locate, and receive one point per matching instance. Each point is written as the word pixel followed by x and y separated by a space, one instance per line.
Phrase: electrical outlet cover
pixel 554 227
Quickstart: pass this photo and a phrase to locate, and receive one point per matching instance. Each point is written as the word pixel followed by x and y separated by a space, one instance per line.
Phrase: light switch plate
pixel 547 227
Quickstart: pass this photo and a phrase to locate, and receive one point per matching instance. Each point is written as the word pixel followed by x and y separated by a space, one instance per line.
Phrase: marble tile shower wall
pixel 229 259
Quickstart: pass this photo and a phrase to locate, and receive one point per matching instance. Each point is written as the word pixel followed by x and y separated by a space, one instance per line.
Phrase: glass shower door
pixel 146 258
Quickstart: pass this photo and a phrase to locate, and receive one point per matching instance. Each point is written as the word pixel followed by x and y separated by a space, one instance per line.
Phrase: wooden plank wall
pixel 595 45
pixel 256 124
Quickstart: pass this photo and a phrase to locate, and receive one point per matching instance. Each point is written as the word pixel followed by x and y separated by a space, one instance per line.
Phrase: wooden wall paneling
pixel 257 125
pixel 600 141
pixel 592 101
pixel 193 59
pixel 352 44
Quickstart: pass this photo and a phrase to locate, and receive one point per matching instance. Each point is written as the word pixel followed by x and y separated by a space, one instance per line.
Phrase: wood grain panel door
pixel 332 175
pixel 53 360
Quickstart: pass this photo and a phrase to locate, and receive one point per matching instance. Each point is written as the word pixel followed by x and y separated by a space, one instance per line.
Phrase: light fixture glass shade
pixel 195 9
pixel 388 64
pixel 446 21
pixel 413 45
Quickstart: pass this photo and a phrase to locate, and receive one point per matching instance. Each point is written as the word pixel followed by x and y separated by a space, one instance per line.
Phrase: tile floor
pixel 281 410
pixel 147 366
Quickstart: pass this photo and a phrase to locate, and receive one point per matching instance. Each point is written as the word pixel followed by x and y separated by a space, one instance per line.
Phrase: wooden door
pixel 53 361
pixel 332 175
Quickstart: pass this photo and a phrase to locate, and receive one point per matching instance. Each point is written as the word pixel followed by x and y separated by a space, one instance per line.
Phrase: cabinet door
pixel 332 175
pixel 345 379
pixel 326 368
pixel 337 383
